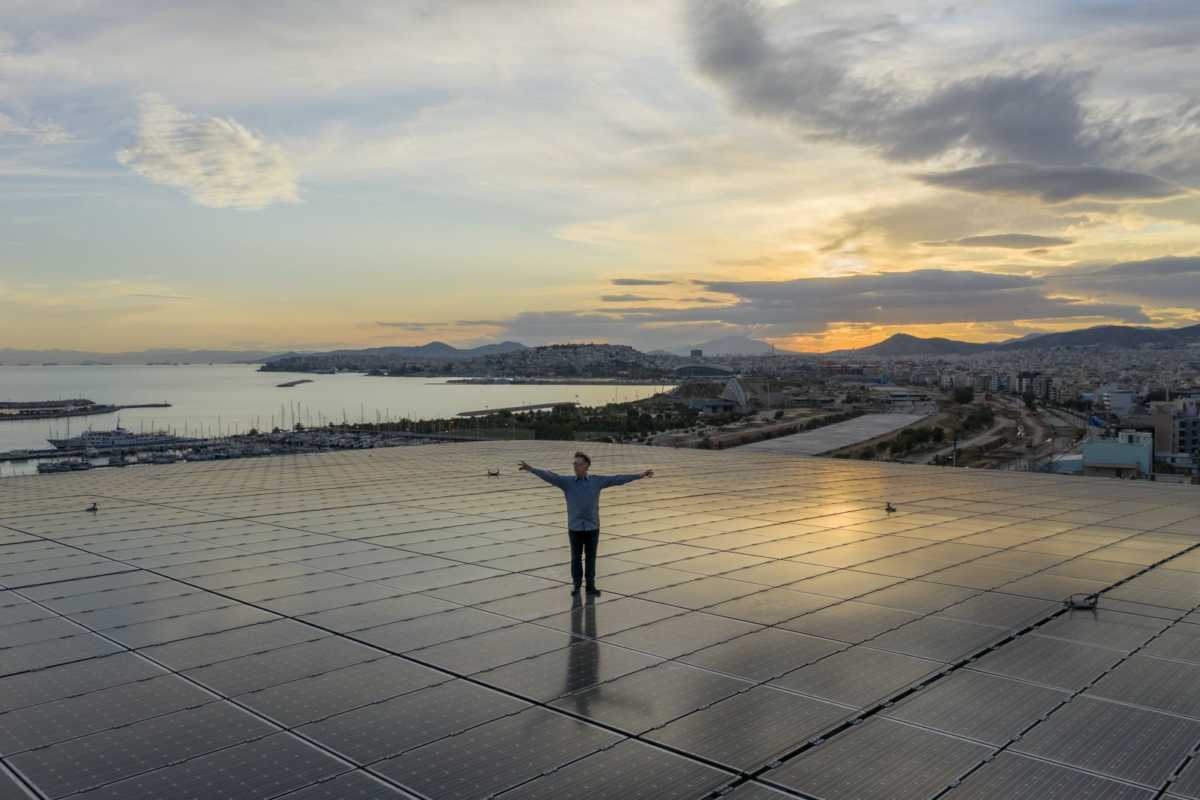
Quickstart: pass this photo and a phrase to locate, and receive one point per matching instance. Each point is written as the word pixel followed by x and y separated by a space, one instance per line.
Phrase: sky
pixel 351 173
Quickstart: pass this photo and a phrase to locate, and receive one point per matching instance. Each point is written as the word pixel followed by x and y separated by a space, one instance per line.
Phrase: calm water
pixel 206 400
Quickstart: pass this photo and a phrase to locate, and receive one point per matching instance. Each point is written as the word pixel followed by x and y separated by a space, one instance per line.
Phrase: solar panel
pixel 859 676
pixel 110 755
pixel 496 755
pixel 263 768
pixel 409 623
pixel 977 706
pixel 1128 743
pixel 356 785
pixel 880 760
pixel 1012 776
pixel 749 729
pixel 630 770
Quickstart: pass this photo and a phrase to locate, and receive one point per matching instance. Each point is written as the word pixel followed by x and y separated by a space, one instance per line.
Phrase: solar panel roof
pixel 397 624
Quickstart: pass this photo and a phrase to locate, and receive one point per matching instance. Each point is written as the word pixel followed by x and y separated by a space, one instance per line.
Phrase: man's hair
pixel 584 456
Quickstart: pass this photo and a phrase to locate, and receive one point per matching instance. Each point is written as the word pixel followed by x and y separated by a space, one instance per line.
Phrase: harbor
pixel 155 449
pixel 234 411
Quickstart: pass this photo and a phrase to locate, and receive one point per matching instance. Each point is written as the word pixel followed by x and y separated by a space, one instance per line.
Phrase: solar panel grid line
pixel 1184 781
pixel 196 637
pixel 682 752
pixel 14 787
pixel 247 709
pixel 1105 785
pixel 1082 690
pixel 908 691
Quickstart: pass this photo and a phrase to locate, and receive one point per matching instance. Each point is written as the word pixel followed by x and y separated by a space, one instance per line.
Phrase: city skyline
pixel 347 175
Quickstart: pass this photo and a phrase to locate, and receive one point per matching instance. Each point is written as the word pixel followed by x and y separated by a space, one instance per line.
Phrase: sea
pixel 224 399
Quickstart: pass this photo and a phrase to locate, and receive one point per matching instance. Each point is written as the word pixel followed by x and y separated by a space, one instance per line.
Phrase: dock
pixel 10 411
pixel 534 407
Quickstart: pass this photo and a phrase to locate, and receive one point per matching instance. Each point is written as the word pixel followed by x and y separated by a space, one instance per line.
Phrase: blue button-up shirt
pixel 583 495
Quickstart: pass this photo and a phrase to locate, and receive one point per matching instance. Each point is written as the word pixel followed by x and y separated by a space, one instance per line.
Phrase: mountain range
pixel 729 346
pixel 898 345
pixel 1124 336
pixel 435 350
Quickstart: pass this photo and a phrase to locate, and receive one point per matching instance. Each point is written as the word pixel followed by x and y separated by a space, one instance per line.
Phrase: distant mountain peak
pixel 734 346
pixel 905 344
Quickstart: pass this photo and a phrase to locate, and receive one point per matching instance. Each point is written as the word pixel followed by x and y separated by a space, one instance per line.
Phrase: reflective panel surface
pixel 396 623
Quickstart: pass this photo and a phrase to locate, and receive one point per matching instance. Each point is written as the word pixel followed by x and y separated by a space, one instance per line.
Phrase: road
pixel 1000 424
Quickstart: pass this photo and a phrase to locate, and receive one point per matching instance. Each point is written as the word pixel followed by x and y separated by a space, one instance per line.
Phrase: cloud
pixel 1056 184
pixel 1172 281
pixel 411 326
pixel 640 282
pixel 41 131
pixel 1034 115
pixel 218 161
pixel 949 217
pixel 1167 265
pixel 160 296
pixel 626 298
pixel 813 305
pixel 1013 241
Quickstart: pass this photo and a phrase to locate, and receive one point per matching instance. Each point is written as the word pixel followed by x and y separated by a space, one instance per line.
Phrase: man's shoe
pixel 593 591
pixel 575 592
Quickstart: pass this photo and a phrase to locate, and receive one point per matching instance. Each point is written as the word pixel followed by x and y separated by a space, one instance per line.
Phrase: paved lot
pixel 833 437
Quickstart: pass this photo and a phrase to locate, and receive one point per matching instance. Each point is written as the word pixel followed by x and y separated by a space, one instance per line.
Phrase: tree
pixel 964 395
pixel 1030 401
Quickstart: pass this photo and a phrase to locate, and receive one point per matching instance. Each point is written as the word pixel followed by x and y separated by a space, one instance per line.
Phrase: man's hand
pixel 521 465
pixel 648 473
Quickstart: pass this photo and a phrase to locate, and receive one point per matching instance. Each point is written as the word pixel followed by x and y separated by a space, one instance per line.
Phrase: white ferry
pixel 118 438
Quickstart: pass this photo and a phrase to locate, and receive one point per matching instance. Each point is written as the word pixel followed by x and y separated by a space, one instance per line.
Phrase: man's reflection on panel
pixel 583 663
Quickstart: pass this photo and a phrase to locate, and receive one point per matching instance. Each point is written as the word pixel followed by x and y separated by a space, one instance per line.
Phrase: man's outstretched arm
pixel 552 478
pixel 617 480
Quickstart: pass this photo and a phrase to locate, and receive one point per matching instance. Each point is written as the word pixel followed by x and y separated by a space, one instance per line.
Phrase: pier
pixel 533 407
pixel 54 409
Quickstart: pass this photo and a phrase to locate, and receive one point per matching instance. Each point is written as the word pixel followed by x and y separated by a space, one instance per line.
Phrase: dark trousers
pixel 583 543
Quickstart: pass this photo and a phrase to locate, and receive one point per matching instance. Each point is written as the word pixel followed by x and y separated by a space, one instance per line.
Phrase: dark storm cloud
pixel 640 282
pixel 1056 184
pixel 1012 241
pixel 1035 115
